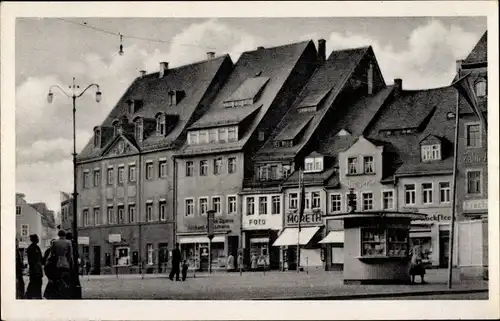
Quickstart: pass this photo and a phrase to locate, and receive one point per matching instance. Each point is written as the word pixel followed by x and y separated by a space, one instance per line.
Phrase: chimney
pixel 398 86
pixel 459 66
pixel 143 73
pixel 321 50
pixel 260 48
pixel 163 68
pixel 210 55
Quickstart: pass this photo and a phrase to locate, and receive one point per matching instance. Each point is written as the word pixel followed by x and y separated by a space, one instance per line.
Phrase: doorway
pixel 97 260
pixel 444 248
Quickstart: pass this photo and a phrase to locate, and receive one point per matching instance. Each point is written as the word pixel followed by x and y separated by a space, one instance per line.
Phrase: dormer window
pixel 247 93
pixel 175 96
pixel 480 88
pixel 134 105
pixel 283 143
pixel 116 128
pixel 97 138
pixel 139 129
pixel 431 152
pixel 314 164
pixel 160 125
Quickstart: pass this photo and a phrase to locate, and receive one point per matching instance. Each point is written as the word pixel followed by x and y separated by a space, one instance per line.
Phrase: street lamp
pixel 78 289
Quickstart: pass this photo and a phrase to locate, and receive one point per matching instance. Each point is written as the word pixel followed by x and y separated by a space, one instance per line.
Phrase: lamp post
pixel 210 235
pixel 78 289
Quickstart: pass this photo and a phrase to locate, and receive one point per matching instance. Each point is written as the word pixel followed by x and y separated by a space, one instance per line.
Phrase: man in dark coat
pixel 34 290
pixel 176 261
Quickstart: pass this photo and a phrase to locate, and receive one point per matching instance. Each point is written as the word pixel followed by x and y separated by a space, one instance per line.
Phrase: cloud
pixel 44 131
pixel 427 62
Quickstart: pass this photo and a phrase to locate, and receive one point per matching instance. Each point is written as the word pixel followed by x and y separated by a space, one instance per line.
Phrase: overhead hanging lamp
pixel 121 46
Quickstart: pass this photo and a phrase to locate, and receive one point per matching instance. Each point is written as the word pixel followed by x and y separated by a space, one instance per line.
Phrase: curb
pixel 378 295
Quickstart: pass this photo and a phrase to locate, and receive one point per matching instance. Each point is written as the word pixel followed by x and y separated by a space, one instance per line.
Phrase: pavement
pixel 274 285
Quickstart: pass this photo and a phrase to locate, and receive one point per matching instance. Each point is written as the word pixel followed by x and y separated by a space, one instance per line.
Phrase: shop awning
pixel 289 236
pixel 333 237
pixel 200 239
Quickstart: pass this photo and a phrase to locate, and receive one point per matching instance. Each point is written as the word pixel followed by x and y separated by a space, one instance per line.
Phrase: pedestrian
pixel 184 270
pixel 63 259
pixel 87 267
pixel 47 253
pixel 254 262
pixel 50 269
pixel 230 263
pixel 73 273
pixel 34 290
pixel 176 261
pixel 19 273
pixel 416 265
pixel 240 262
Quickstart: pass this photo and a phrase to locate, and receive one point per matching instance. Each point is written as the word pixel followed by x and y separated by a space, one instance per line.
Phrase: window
pixel 131 173
pixel 276 205
pixel 203 168
pixel 473 135
pixel 263 173
pixel 444 192
pixel 189 210
pixel 121 171
pixel 149 170
pixel 192 138
pixel 149 211
pixel 131 213
pixel 150 253
pixel 474 182
pixel 216 205
pixel 318 164
pixel 293 201
pixel 25 230
pixel 97 216
pixel 262 205
pixel 481 88
pixel 121 214
pixel 410 194
pixel 262 135
pixel 250 206
pixel 315 200
pixel 189 168
pixel 384 242
pixel 307 199
pixel 309 164
pixel 111 215
pixel 139 129
pixel 231 204
pixel 203 137
pixel 231 134
pixel 231 165
pixel 212 136
pixel 335 203
pixel 162 168
pixel 160 125
pixel 367 201
pixel 313 164
pixel 431 152
pixel 222 135
pixel 18 210
pixel 85 217
pixel 387 200
pixel 163 211
pixel 427 193
pixel 368 165
pixel 287 170
pixel 274 172
pixel 97 138
pixel 122 257
pixel 352 165
pixel 203 205
pixel 217 166
pixel 97 177
pixel 86 182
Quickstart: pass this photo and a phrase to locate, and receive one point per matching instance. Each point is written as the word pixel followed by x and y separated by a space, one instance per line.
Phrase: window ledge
pixel 361 174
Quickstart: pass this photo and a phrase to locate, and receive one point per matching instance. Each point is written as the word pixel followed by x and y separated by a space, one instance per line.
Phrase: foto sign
pixel 210 224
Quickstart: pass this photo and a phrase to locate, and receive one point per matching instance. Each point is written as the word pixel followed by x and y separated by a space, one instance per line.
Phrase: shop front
pixel 194 243
pixel 259 233
pixel 307 239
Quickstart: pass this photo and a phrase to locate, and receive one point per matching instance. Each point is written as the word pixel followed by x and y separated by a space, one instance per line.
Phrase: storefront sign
pixel 360 184
pixel 84 240
pixel 437 217
pixel 474 158
pixel 476 205
pixel 115 238
pixel 307 218
pixel 220 224
pixel 263 222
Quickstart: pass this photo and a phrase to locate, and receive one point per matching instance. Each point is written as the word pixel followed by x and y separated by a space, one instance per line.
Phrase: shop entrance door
pixel 444 248
pixel 97 260
pixel 203 250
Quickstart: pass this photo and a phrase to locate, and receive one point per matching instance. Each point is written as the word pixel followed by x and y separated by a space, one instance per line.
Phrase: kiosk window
pixel 384 242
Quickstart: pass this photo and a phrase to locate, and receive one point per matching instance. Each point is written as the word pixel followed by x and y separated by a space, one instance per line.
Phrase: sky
pixel 50 51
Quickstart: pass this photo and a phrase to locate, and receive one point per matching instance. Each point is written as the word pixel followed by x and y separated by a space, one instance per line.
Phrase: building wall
pixel 30 217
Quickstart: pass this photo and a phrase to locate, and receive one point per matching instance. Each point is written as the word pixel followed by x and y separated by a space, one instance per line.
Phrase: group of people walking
pixel 57 265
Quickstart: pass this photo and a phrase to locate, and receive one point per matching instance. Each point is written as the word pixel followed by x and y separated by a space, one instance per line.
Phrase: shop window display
pixel 384 242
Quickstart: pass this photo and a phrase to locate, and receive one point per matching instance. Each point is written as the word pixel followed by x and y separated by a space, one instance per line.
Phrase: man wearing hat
pixel 34 290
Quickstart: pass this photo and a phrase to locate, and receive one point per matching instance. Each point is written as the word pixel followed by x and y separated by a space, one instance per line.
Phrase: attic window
pixel 116 127
pixel 139 129
pixel 430 152
pixel 160 125
pixel 175 97
pixel 307 109
pixel 370 78
pixel 283 143
pixel 97 138
pixel 480 88
pixel 313 164
pixel 247 93
pixel 134 105
pixel 343 132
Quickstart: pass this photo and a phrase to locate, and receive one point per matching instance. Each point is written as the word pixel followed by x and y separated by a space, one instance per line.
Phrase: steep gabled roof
pixel 194 80
pixel 275 63
pixel 222 117
pixel 480 51
pixel 321 91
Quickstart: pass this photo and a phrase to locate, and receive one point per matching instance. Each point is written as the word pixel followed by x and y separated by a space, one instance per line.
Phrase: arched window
pixel 481 88
pixel 160 125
